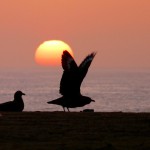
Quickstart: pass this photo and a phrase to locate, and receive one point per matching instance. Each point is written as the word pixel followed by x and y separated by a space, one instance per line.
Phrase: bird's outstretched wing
pixel 68 62
pixel 69 84
pixel 84 66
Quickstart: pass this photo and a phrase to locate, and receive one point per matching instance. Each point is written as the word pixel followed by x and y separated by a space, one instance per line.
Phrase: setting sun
pixel 49 52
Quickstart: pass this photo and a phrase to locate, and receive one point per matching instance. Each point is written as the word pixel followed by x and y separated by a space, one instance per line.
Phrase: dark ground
pixel 63 131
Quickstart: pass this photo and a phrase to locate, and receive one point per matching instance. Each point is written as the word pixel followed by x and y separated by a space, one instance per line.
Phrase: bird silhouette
pixel 71 80
pixel 17 105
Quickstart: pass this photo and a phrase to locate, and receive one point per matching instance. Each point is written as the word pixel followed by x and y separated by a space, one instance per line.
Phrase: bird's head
pixel 88 99
pixel 92 100
pixel 18 94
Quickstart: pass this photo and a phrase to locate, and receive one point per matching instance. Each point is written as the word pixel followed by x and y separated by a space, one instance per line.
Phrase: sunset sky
pixel 118 30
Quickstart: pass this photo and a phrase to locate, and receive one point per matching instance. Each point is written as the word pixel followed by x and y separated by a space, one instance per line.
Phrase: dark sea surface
pixel 126 91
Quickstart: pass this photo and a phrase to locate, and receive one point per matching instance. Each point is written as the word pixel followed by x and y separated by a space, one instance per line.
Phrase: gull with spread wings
pixel 71 80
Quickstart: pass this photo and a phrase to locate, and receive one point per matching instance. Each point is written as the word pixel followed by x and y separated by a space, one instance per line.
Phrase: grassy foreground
pixel 63 131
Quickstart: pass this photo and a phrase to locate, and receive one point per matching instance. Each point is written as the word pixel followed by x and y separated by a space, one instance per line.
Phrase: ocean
pixel 113 91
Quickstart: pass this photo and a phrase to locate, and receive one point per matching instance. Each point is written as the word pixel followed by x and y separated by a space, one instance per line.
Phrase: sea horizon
pixel 113 90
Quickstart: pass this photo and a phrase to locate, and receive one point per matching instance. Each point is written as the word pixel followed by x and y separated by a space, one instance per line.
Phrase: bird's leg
pixel 64 109
pixel 68 109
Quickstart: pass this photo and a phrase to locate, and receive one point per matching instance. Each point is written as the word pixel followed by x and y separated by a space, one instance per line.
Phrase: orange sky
pixel 119 30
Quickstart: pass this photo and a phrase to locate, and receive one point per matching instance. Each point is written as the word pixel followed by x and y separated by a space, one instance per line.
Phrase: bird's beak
pixel 93 100
pixel 23 94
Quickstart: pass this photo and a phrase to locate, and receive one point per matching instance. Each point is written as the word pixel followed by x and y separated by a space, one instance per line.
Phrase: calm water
pixel 125 91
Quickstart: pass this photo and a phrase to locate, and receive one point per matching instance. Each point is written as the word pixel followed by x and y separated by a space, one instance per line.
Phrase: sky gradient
pixel 118 30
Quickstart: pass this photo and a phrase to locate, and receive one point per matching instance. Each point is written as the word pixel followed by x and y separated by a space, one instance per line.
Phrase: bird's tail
pixel 52 102
pixel 57 101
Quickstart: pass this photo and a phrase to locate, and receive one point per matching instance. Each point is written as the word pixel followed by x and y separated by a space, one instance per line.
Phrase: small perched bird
pixel 17 105
pixel 71 80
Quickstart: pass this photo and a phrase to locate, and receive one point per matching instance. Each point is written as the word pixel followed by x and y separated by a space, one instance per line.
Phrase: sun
pixel 49 52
